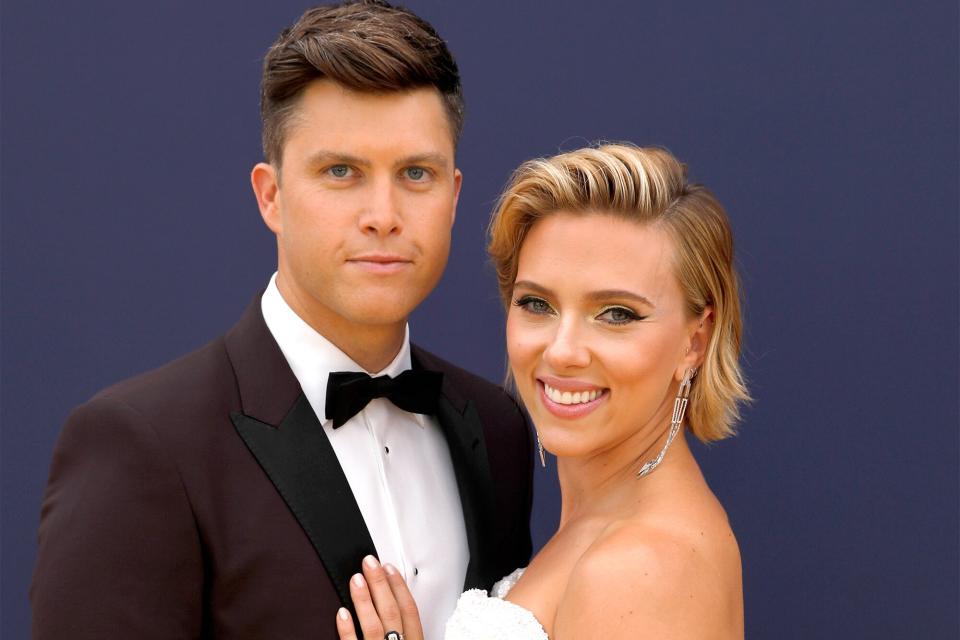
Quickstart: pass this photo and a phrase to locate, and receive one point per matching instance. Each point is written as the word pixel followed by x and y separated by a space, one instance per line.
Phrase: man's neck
pixel 372 346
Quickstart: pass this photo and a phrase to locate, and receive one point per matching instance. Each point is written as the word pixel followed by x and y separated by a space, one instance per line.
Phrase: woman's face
pixel 598 333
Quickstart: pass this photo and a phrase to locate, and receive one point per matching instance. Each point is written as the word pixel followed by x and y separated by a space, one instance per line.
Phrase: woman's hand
pixel 383 605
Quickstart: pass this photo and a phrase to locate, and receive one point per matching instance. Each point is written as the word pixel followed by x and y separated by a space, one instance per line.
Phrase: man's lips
pixel 378 257
pixel 380 262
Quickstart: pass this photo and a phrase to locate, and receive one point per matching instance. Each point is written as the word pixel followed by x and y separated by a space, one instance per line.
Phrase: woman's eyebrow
pixel 594 296
pixel 533 286
pixel 606 294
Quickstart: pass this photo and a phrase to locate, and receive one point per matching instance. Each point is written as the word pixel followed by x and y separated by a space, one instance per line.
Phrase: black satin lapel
pixel 468 451
pixel 301 463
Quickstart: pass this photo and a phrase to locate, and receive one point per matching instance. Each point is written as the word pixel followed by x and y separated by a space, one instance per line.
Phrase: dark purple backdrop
pixel 830 130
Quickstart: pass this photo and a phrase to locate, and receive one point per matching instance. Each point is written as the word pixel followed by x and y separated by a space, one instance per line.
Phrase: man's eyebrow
pixel 327 157
pixel 603 294
pixel 324 157
pixel 424 158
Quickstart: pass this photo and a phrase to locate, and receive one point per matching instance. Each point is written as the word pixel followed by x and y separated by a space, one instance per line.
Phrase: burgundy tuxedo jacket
pixel 203 500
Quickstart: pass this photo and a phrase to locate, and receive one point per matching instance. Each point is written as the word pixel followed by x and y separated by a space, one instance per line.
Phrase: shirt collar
pixel 311 356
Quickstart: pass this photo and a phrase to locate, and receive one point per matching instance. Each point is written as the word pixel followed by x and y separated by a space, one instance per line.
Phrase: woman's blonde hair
pixel 650 186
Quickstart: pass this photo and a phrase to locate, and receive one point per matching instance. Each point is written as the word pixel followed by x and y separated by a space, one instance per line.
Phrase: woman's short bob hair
pixel 650 186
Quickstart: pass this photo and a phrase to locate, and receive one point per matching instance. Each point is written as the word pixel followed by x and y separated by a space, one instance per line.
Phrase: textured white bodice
pixel 482 617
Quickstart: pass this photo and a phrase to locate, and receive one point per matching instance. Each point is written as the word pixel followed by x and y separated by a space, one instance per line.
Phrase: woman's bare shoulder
pixel 674 573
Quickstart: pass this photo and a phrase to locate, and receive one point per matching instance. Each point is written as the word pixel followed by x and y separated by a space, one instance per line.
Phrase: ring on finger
pixel 393 635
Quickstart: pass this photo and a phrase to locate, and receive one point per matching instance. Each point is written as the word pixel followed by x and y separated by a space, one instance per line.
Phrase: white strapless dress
pixel 479 616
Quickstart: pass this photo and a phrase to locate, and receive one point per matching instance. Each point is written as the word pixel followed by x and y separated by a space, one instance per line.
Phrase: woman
pixel 623 333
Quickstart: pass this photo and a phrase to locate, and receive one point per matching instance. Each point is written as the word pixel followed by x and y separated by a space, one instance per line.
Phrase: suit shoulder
pixel 189 380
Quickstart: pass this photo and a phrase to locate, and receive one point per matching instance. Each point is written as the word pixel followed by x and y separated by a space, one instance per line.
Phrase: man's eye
pixel 538 306
pixel 619 315
pixel 339 171
pixel 416 173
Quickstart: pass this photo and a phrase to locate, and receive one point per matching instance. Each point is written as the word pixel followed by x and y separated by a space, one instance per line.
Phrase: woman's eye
pixel 619 315
pixel 339 171
pixel 533 305
pixel 416 174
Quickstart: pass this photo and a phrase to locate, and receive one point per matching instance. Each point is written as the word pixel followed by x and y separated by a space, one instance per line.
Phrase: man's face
pixel 363 205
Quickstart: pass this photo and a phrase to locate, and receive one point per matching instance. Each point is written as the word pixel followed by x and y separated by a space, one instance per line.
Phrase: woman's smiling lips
pixel 385 263
pixel 566 398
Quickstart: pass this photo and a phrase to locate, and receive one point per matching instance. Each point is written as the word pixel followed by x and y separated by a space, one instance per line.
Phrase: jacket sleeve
pixel 119 553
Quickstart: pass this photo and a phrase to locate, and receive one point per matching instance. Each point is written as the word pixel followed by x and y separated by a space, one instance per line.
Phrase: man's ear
pixel 457 183
pixel 266 187
pixel 700 333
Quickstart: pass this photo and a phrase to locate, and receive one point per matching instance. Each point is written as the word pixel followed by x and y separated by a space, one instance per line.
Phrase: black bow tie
pixel 349 392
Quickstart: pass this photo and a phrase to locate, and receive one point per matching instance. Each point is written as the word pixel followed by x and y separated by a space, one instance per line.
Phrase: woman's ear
pixel 700 331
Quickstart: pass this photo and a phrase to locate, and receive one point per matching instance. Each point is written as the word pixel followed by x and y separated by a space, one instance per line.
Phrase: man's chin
pixel 381 312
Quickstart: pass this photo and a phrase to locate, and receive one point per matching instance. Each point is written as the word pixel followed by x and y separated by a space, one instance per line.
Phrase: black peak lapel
pixel 468 452
pixel 301 463
pixel 463 429
pixel 265 381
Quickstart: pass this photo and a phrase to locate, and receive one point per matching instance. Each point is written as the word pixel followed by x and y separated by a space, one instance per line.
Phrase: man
pixel 232 493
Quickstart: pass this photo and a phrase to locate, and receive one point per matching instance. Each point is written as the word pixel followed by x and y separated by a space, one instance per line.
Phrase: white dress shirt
pixel 398 466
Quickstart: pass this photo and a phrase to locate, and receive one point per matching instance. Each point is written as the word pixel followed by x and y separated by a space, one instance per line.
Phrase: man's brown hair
pixel 368 45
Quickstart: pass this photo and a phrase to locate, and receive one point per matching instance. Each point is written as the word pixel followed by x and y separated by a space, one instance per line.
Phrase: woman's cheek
pixel 520 342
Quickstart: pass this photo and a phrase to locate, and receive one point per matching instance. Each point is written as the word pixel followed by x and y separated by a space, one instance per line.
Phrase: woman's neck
pixel 607 485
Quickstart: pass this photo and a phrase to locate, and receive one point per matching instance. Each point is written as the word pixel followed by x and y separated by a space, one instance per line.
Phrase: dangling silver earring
pixel 679 409
pixel 543 461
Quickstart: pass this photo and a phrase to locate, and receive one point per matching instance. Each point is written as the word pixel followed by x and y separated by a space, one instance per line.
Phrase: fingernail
pixel 343 614
pixel 358 581
pixel 370 562
pixel 389 568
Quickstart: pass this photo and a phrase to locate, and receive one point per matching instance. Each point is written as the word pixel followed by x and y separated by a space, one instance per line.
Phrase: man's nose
pixel 381 214
pixel 567 348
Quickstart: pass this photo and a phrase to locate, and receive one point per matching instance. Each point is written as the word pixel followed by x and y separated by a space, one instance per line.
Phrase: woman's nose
pixel 567 349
